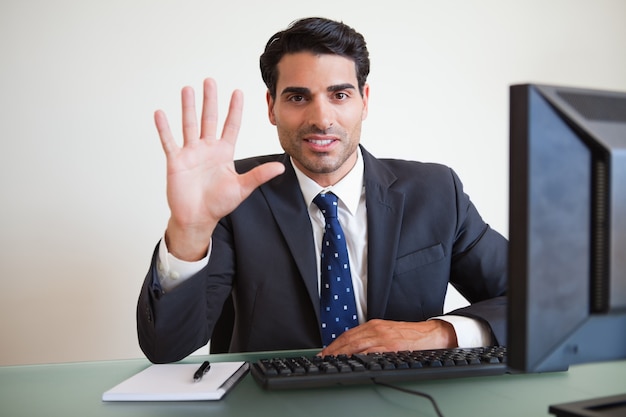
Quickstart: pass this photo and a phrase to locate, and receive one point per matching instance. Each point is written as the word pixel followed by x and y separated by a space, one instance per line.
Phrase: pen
pixel 203 369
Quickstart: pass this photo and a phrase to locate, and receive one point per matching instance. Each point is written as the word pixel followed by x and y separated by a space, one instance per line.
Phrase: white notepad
pixel 174 382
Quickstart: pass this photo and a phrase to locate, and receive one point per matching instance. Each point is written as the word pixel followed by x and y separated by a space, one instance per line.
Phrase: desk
pixel 75 389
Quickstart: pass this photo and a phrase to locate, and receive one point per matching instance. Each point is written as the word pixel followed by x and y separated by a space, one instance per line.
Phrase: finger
pixel 356 340
pixel 339 346
pixel 259 175
pixel 190 121
pixel 208 123
pixel 340 349
pixel 233 119
pixel 165 134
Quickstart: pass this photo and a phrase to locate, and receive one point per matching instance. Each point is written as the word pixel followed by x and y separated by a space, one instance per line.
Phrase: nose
pixel 320 114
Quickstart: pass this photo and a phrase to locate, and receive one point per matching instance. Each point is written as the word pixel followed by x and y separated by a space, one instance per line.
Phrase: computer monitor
pixel 567 261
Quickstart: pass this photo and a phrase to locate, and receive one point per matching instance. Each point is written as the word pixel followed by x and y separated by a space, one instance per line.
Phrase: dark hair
pixel 319 36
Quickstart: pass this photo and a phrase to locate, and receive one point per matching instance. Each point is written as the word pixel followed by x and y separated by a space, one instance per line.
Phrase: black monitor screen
pixel 567 227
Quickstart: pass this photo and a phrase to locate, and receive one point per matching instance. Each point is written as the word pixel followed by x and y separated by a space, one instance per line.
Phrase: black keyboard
pixel 317 371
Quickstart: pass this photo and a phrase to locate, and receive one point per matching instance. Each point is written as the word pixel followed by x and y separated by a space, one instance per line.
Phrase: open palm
pixel 202 184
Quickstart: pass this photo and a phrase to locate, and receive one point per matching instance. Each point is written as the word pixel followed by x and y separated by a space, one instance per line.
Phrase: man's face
pixel 318 113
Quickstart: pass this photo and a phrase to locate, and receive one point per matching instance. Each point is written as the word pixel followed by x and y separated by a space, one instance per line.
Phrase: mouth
pixel 320 143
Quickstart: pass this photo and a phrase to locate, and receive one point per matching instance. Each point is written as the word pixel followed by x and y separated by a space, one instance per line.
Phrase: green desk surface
pixel 75 389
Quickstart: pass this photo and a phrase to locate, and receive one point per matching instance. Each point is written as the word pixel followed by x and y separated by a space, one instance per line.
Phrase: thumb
pixel 259 175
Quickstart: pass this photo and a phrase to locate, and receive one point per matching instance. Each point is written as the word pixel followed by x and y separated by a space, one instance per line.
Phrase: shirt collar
pixel 348 189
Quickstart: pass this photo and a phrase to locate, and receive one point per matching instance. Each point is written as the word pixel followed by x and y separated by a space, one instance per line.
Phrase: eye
pixel 296 98
pixel 341 95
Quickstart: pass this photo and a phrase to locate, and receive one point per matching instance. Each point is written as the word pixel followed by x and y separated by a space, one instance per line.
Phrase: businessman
pixel 254 256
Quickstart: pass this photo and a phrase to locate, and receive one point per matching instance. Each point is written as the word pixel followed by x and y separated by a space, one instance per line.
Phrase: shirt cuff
pixel 469 332
pixel 173 271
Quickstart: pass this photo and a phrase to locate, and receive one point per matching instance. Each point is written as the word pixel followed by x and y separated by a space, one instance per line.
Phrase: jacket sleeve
pixel 480 267
pixel 172 325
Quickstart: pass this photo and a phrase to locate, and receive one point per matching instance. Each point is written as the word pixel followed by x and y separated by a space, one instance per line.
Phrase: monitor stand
pixel 614 406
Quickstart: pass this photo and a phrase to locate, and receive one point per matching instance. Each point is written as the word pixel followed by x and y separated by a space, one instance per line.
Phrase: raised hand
pixel 202 184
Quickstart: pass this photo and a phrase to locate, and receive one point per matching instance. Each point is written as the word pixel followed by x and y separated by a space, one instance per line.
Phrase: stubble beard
pixel 317 162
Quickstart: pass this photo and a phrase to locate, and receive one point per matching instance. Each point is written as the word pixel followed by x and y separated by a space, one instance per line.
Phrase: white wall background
pixel 81 168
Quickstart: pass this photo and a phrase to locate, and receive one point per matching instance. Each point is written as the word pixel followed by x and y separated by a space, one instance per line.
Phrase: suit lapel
pixel 285 199
pixel 384 219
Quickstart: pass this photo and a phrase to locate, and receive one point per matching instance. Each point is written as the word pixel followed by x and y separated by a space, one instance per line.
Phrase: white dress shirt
pixel 353 219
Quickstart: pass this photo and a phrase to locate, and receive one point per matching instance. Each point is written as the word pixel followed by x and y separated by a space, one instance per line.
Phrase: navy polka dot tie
pixel 337 305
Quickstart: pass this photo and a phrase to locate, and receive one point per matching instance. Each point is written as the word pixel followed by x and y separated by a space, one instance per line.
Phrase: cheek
pixel 355 135
pixel 285 135
pixel 288 121
pixel 353 123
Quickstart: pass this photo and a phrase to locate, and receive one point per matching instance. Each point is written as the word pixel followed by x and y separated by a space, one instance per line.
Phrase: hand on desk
pixel 392 336
pixel 202 184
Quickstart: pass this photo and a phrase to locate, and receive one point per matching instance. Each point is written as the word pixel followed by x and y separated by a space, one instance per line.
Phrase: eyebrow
pixel 306 91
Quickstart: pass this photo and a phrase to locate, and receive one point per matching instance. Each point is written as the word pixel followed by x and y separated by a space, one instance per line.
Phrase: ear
pixel 366 98
pixel 270 107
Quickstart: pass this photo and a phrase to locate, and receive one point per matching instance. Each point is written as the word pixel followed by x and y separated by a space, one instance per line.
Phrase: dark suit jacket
pixel 423 232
